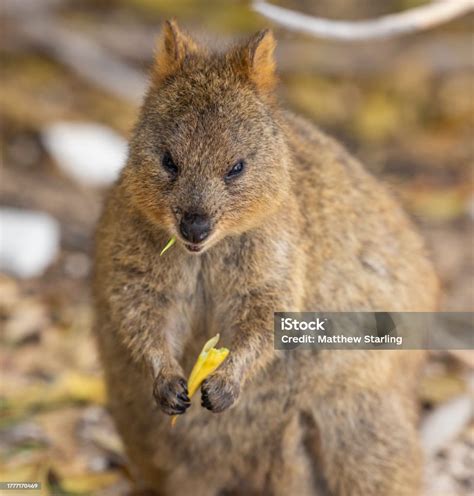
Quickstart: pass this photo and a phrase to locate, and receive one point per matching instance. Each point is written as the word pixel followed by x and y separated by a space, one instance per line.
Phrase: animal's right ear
pixel 172 48
pixel 255 60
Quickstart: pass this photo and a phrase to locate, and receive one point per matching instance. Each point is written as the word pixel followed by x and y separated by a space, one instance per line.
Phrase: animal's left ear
pixel 256 60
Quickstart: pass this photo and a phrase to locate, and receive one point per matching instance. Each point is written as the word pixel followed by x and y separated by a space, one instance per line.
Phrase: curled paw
pixel 171 394
pixel 218 392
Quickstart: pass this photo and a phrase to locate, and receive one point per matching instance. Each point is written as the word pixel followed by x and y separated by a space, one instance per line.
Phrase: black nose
pixel 195 227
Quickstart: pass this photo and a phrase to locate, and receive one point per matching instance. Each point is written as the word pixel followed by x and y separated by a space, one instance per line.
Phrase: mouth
pixel 194 248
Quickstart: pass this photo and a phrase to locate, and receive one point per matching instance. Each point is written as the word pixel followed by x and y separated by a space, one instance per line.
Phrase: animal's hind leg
pixel 369 444
pixel 294 468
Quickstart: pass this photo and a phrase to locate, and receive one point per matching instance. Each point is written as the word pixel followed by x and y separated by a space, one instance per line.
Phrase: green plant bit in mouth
pixel 170 243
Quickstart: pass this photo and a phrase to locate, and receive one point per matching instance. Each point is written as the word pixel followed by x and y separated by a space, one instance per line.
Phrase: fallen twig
pixel 410 21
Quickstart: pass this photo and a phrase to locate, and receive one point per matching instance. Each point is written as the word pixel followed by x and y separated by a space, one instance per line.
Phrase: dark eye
pixel 235 170
pixel 168 164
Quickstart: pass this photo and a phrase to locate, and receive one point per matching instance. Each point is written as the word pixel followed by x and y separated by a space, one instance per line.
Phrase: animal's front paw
pixel 171 394
pixel 219 392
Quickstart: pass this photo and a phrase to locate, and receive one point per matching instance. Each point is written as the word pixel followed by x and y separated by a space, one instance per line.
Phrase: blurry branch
pixel 410 21
pixel 74 50
pixel 86 58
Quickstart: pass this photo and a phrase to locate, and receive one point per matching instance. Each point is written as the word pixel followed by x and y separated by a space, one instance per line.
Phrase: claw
pixel 184 397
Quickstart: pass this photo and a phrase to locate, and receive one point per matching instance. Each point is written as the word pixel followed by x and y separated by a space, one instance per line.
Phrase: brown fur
pixel 305 227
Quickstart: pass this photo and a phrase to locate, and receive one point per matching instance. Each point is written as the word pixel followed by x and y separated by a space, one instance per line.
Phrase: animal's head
pixel 209 158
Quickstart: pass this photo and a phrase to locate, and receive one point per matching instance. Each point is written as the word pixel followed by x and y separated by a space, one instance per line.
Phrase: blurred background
pixel 73 72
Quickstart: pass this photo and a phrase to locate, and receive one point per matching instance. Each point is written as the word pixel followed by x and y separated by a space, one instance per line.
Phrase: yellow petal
pixel 208 361
pixel 209 364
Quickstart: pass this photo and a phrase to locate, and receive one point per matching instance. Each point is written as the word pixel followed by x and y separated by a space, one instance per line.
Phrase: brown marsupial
pixel 270 214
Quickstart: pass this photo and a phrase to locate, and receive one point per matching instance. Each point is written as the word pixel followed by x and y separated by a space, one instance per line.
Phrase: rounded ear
pixel 255 59
pixel 172 48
